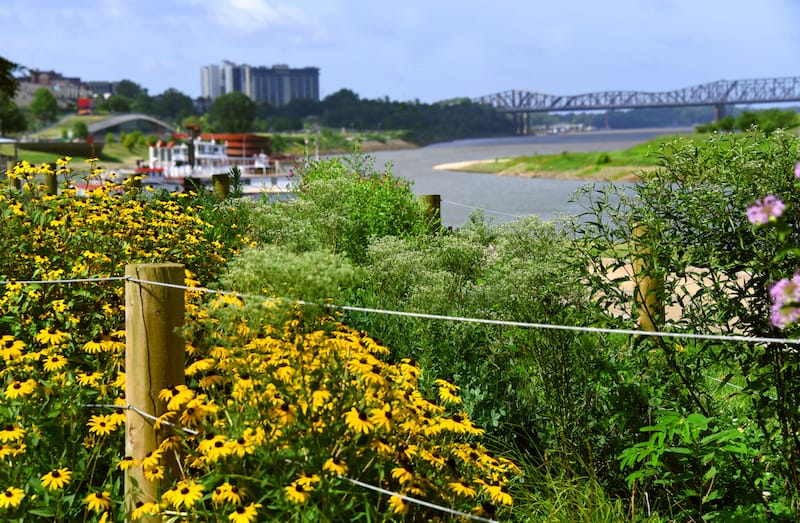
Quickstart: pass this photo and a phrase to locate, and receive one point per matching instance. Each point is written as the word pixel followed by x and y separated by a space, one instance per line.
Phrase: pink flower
pixel 766 210
pixel 797 171
pixel 785 295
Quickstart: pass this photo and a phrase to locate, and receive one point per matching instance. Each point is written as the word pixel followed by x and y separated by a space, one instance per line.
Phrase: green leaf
pixel 698 420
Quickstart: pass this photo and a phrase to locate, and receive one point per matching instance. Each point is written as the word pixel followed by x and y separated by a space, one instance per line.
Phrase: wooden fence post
pixel 154 360
pixel 13 183
pixel 51 184
pixel 222 185
pixel 648 287
pixel 432 205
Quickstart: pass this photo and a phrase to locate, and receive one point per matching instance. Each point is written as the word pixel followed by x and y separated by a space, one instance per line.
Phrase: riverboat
pixel 176 165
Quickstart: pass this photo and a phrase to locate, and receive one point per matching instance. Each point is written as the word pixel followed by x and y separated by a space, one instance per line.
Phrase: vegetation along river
pixel 504 197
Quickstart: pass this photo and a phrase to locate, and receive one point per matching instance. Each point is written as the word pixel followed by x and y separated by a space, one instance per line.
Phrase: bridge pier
pixel 522 123
pixel 719 112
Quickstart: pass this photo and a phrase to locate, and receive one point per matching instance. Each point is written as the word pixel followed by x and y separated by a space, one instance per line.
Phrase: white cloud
pixel 251 16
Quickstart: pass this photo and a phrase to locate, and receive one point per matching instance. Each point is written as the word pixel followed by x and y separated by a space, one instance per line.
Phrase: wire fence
pixel 412 314
pixel 517 324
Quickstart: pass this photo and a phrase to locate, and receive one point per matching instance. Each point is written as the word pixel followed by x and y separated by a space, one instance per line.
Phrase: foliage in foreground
pixel 720 417
pixel 279 415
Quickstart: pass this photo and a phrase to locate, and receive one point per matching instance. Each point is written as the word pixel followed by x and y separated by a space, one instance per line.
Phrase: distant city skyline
pixel 276 85
pixel 411 50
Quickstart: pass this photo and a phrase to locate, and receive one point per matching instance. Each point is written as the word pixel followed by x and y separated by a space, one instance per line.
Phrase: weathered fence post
pixel 432 205
pixel 13 183
pixel 154 359
pixel 222 185
pixel 648 287
pixel 51 184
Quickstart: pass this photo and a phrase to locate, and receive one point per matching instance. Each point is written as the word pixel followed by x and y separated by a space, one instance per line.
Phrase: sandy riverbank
pixel 618 174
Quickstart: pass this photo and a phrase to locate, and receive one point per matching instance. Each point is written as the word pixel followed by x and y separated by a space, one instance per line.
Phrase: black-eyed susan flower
pixel 335 465
pixel 246 514
pixel 320 398
pixel 118 417
pixel 358 421
pixel 403 475
pixel 298 492
pixel 214 448
pixel 145 509
pixel 56 362
pixel 227 493
pixel 241 447
pixel 95 345
pixel 176 396
pixel 184 494
pixel 153 473
pixel 152 459
pixel 91 380
pixel 11 497
pixel 499 494
pixel 20 389
pixel 98 501
pixel 51 336
pixel 463 489
pixel 101 425
pixel 11 349
pixel 56 479
pixel 398 505
pixel 127 462
pixel 382 418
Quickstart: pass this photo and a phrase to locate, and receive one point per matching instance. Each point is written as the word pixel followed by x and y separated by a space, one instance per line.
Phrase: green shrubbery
pixel 720 416
pixel 607 426
pixel 767 121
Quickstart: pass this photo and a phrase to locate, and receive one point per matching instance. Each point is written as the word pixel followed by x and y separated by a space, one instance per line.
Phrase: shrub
pixel 686 226
pixel 342 205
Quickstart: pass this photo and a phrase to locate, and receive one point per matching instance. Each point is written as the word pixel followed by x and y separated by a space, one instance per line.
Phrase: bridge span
pixel 521 103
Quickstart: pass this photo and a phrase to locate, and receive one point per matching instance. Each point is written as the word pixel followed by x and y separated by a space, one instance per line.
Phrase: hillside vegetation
pixel 494 370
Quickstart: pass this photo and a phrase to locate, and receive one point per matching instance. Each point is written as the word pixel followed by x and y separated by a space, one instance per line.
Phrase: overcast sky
pixel 412 49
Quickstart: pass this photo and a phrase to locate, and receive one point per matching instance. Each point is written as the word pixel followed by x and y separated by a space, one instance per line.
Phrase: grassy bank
pixel 606 165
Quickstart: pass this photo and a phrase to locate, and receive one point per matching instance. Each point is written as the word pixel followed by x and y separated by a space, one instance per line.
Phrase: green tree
pixel 44 105
pixel 727 123
pixel 129 141
pixel 129 89
pixel 8 82
pixel 173 105
pixel 12 119
pixel 119 104
pixel 233 113
pixel 79 130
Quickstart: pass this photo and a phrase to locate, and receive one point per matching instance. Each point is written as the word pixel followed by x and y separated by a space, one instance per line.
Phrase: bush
pixel 342 204
pixel 685 225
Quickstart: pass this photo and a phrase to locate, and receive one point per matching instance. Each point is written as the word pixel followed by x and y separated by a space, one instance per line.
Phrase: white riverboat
pixel 175 165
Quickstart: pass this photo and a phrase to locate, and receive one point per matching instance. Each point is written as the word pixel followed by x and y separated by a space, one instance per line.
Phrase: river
pixel 503 198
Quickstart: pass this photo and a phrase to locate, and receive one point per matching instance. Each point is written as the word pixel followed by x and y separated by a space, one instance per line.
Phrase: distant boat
pixel 173 164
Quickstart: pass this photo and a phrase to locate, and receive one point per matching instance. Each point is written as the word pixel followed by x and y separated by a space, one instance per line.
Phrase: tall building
pixel 277 85
pixel 210 81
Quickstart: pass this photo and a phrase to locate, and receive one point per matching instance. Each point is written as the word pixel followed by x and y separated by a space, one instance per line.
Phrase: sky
pixel 408 50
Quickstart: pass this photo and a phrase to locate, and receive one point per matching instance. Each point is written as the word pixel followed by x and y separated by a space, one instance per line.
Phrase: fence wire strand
pixel 503 323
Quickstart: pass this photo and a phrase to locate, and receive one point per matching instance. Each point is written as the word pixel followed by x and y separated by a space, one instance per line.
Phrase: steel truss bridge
pixel 521 103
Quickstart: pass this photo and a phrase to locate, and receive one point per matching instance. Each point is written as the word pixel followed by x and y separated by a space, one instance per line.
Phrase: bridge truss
pixel 718 94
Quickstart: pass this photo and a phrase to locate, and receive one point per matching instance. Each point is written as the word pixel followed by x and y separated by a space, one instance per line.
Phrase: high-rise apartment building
pixel 210 81
pixel 277 85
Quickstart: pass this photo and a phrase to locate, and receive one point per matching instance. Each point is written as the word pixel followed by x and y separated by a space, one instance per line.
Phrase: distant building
pixel 210 82
pixel 63 87
pixel 100 87
pixel 277 85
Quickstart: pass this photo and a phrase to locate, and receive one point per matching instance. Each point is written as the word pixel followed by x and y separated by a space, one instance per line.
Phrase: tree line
pixel 420 122
pixel 236 112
